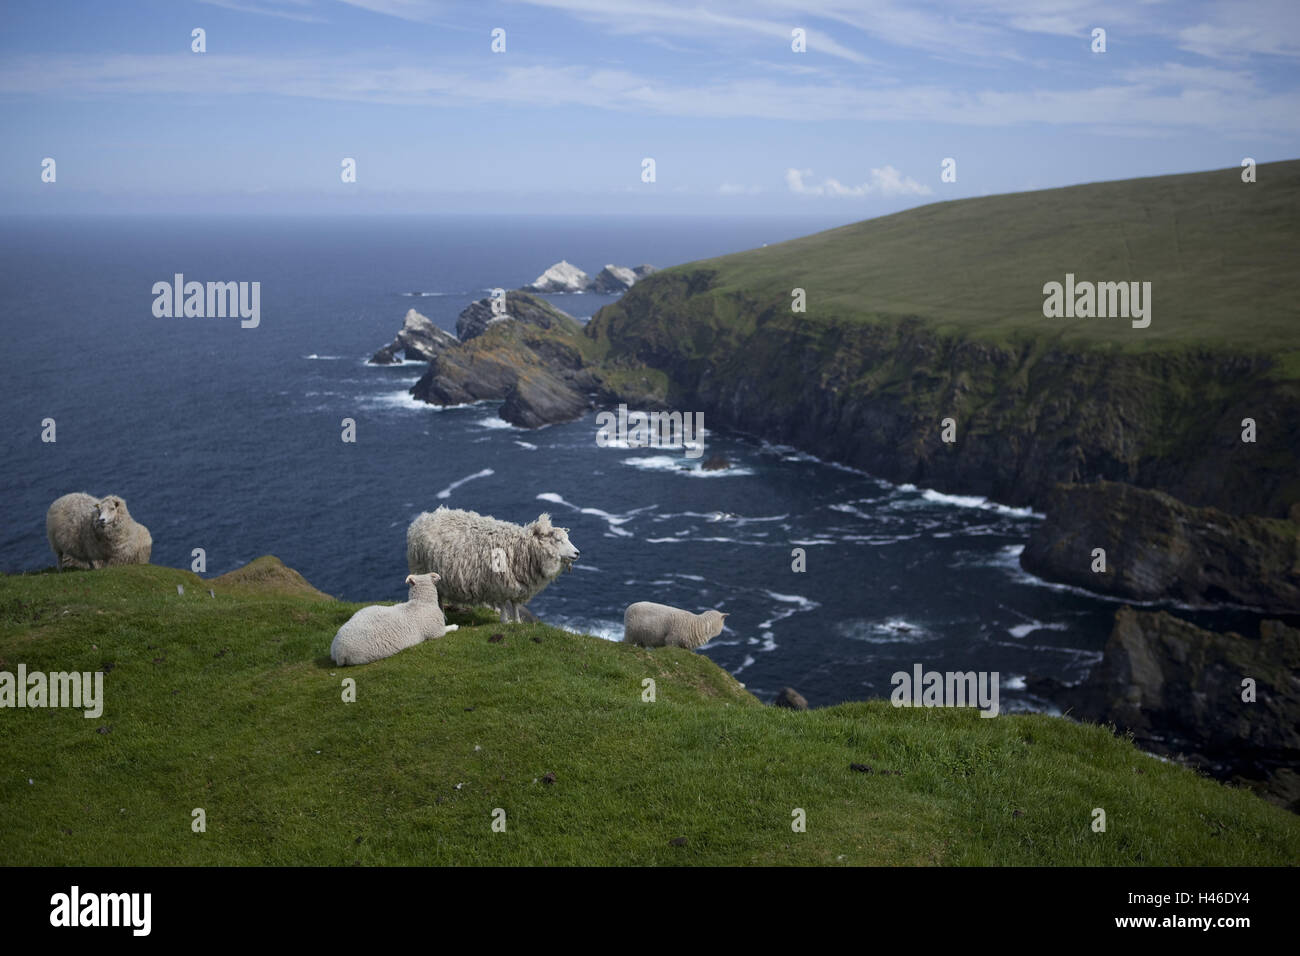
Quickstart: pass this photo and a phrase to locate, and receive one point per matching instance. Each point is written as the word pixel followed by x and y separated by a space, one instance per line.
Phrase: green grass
pixel 231 704
pixel 1220 254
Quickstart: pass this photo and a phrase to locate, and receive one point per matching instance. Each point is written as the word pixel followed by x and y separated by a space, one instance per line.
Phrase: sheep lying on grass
pixel 380 631
pixel 658 625
pixel 89 532
pixel 486 561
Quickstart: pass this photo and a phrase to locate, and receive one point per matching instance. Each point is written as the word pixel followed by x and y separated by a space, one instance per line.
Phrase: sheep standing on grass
pixel 483 560
pixel 89 532
pixel 380 631
pixel 658 625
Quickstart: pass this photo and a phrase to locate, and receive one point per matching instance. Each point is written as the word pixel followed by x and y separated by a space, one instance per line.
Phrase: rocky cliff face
pixel 528 359
pixel 419 338
pixel 475 319
pixel 1157 548
pixel 1179 689
pixel 1028 414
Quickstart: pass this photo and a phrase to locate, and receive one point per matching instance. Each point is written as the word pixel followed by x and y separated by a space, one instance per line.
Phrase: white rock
pixel 561 277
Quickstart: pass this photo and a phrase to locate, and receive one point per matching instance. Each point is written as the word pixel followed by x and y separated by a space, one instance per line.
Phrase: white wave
pixel 603 628
pixel 685 538
pixel 365 360
pixel 402 398
pixel 668 463
pixel 524 444
pixel 493 422
pixel 615 522
pixel 894 630
pixel 749 659
pixel 1014 682
pixel 322 358
pixel 1020 630
pixel 423 295
pixel 446 492
pixel 806 543
pixel 976 501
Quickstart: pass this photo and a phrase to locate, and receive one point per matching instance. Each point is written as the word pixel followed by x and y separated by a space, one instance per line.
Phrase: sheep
pixel 483 560
pixel 88 532
pixel 658 625
pixel 380 631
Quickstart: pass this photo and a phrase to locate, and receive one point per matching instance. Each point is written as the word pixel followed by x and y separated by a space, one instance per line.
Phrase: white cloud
pixel 1205 100
pixel 885 181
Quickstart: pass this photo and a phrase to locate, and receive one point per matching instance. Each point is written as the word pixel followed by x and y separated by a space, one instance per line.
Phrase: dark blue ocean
pixel 228 439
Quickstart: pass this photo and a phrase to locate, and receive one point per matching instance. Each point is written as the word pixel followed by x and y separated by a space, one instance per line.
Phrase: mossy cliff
pixel 936 313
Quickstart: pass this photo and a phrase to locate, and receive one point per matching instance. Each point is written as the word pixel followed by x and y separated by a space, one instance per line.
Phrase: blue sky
pixel 736 121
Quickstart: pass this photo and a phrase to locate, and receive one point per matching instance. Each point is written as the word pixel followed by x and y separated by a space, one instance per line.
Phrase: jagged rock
pixel 791 698
pixel 642 271
pixel 716 463
pixel 1158 548
pixel 419 338
pixel 529 359
pixel 612 279
pixel 478 316
pixel 561 277
pixel 1178 688
pixel 540 398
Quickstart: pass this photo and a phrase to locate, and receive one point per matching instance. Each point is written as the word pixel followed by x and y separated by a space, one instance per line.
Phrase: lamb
pixel 658 625
pixel 88 532
pixel 380 631
pixel 483 560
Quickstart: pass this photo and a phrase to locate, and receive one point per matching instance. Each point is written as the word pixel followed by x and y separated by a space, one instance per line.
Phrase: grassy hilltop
pixel 231 704
pixel 1221 256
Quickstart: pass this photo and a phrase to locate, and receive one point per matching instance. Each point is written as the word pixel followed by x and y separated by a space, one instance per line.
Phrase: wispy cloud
pixel 885 182
pixel 1204 100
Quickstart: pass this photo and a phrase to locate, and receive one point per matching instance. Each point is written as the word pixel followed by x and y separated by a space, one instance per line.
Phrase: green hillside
pixel 1221 256
pixel 231 704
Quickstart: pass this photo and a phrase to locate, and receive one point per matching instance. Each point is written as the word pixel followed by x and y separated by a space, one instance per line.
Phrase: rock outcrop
pixel 478 316
pixel 561 277
pixel 1179 689
pixel 612 280
pixel 566 277
pixel 419 338
pixel 528 359
pixel 1159 549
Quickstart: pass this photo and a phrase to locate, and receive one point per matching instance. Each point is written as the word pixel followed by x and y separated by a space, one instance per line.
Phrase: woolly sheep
pixel 89 532
pixel 658 625
pixel 380 631
pixel 483 560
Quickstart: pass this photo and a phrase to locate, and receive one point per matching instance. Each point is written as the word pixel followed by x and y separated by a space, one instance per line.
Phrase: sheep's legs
pixel 505 613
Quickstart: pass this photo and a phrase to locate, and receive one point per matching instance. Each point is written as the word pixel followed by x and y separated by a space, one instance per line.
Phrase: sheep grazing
pixel 658 625
pixel 483 560
pixel 88 532
pixel 380 631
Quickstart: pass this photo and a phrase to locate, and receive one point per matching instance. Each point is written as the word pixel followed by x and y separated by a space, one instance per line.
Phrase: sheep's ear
pixel 542 524
pixel 435 576
pixel 410 579
pixel 725 613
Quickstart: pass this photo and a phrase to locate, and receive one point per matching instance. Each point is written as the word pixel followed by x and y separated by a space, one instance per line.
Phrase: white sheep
pixel 89 532
pixel 658 625
pixel 380 631
pixel 483 560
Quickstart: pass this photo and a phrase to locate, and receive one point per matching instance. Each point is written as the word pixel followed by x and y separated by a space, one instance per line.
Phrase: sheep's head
pixel 108 511
pixel 714 621
pixel 559 552
pixel 423 586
